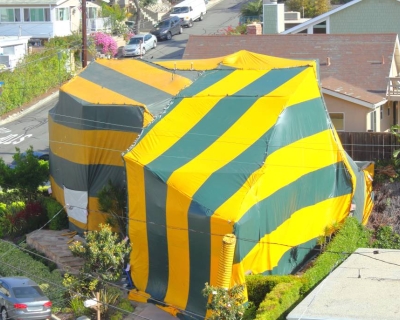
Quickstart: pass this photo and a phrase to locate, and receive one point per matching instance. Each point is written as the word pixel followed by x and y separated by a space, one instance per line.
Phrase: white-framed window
pixel 62 14
pixel 10 50
pixel 372 121
pixel 37 14
pixel 337 119
pixel 381 112
pixel 10 14
pixel 92 13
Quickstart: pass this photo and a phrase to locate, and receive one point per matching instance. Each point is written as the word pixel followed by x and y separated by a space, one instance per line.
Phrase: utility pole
pixel 84 35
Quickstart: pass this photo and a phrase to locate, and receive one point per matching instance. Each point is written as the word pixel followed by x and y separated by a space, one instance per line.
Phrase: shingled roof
pixel 359 60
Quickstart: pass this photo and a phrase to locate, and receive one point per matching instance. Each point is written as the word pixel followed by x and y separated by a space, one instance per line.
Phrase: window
pixel 62 14
pixel 7 15
pixel 372 118
pixel 10 50
pixel 92 13
pixel 337 120
pixel 37 15
pixel 388 110
pixel 381 110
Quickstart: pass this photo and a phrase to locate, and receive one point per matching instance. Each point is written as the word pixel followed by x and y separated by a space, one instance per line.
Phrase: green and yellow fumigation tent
pixel 247 149
pixel 100 113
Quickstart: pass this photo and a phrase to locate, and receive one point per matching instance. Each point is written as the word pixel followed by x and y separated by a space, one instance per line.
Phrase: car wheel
pixel 180 30
pixel 169 36
pixel 4 315
pixel 154 44
pixel 201 17
pixel 190 24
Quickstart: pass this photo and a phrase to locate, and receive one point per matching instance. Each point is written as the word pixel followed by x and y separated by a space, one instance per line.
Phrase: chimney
pixel 328 61
pixel 254 28
pixel 273 17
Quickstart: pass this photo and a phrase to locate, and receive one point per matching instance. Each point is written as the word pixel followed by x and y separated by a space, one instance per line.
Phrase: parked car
pixel 167 28
pixel 139 45
pixel 37 154
pixel 21 298
pixel 189 11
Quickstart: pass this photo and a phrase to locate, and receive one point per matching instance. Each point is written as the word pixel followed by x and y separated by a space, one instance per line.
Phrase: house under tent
pixel 247 149
pixel 100 114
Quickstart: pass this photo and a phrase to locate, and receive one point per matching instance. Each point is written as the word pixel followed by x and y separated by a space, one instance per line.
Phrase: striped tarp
pixel 99 115
pixel 248 149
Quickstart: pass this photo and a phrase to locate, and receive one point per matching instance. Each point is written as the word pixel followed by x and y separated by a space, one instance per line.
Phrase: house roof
pixel 357 60
pixel 319 18
pixel 363 287
pixel 344 90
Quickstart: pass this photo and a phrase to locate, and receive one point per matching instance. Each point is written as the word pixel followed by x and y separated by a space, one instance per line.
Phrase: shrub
pixel 123 304
pixel 28 219
pixel 53 207
pixel 106 42
pixel 259 285
pixel 279 301
pixel 17 263
pixel 386 238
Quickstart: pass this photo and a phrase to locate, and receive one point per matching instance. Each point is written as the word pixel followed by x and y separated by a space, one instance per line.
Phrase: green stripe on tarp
pixel 210 128
pixel 203 82
pixel 217 121
pixel 359 192
pixel 225 182
pixel 294 258
pixel 77 114
pixel 156 195
pixel 199 255
pixel 124 85
pixel 91 178
pixel 267 215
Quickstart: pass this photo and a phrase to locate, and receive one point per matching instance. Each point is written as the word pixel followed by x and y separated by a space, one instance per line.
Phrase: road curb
pixel 29 109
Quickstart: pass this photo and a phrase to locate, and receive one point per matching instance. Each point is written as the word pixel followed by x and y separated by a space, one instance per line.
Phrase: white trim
pixel 318 19
pixel 353 100
pixel 344 120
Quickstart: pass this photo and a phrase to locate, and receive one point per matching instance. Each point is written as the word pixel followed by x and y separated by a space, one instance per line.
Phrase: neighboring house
pixel 364 286
pixel 12 50
pixel 44 19
pixel 358 72
pixel 357 16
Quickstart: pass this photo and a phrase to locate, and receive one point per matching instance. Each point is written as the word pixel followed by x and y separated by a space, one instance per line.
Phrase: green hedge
pixel 53 207
pixel 285 295
pixel 280 300
pixel 258 286
pixel 15 262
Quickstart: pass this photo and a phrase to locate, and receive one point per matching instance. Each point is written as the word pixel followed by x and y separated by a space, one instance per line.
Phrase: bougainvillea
pixel 106 42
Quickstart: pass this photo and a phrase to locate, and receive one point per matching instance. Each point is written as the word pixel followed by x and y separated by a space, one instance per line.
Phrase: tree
pixel 311 8
pixel 225 304
pixel 112 199
pixel 27 174
pixel 252 8
pixel 117 17
pixel 103 253
pixel 139 5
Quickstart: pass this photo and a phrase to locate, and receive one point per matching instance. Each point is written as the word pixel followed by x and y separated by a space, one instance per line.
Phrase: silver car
pixel 21 298
pixel 139 45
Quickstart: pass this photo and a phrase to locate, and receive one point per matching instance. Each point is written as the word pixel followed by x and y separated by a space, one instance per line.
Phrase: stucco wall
pixel 367 16
pixel 355 116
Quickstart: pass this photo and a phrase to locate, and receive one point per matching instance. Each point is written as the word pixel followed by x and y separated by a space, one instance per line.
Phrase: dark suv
pixel 165 29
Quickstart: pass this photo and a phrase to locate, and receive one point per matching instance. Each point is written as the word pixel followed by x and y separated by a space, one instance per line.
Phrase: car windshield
pixel 180 10
pixel 163 24
pixel 27 292
pixel 135 40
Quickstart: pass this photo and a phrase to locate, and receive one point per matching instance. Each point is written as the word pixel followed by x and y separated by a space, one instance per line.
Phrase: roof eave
pixel 345 97
pixel 318 19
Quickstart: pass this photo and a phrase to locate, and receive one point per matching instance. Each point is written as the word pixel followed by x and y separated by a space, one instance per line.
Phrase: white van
pixel 189 11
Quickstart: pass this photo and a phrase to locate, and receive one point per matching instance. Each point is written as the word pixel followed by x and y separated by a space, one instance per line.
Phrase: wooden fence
pixel 369 146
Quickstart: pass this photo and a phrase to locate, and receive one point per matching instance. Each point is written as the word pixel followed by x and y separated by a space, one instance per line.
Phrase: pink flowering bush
pixel 106 42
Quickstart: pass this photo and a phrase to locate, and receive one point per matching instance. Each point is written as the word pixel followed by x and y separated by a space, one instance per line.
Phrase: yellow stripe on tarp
pixel 95 216
pixel 177 208
pixel 89 146
pixel 312 221
pixel 316 151
pixel 163 80
pixel 139 258
pixel 93 93
pixel 368 203
pixel 195 64
pixel 177 123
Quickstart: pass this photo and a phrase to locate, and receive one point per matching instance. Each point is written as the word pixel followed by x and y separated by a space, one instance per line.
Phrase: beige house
pixel 358 72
